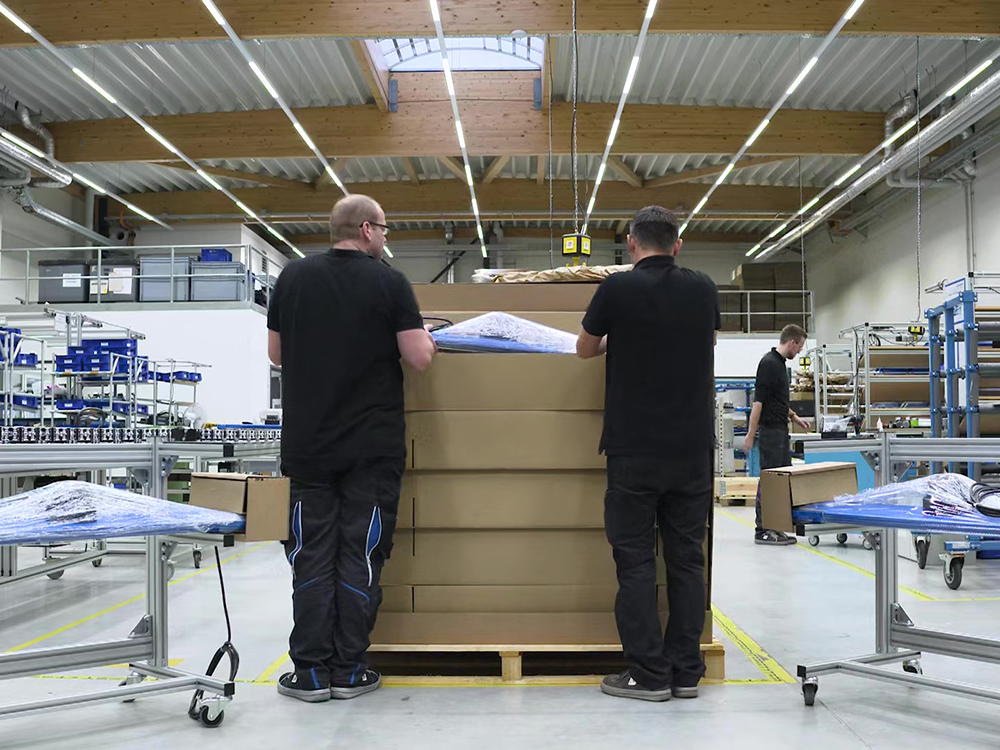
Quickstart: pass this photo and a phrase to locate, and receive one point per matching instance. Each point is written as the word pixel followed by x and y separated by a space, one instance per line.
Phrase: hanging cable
pixel 573 147
pixel 919 207
pixel 552 240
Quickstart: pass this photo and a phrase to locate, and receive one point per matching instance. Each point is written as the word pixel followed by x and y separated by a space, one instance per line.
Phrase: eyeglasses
pixel 383 227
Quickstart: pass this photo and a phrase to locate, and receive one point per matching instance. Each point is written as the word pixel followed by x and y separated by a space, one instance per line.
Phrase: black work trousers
pixel 341 535
pixel 775 450
pixel 675 494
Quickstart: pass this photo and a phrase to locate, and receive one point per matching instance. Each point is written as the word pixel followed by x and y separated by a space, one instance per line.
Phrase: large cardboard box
pixel 543 598
pixel 506 499
pixel 565 297
pixel 446 440
pixel 397 599
pixel 754 276
pixel 789 276
pixel 506 382
pixel 263 499
pixel 802 484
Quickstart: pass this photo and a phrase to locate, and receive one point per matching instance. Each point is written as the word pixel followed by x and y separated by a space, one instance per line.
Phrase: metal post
pixel 817 383
pixel 156 569
pixel 172 252
pixel 100 258
pixel 972 378
pixel 934 353
pixel 886 563
pixel 868 378
pixel 950 374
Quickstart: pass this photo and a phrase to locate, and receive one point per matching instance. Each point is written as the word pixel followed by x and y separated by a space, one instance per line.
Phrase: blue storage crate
pixel 215 255
pixel 26 360
pixel 30 402
pixel 118 346
pixel 69 363
pixel 69 404
pixel 124 407
pixel 77 351
pixel 9 338
pixel 188 377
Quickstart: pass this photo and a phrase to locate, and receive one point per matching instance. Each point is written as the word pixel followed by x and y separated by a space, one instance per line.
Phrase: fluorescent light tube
pixel 475 208
pixel 92 185
pixel 958 86
pixel 479 229
pixel 483 249
pixel 305 136
pixel 448 78
pixel 461 135
pixel 756 134
pixel 435 13
pixel 853 9
pixel 753 249
pixel 809 205
pixel 138 210
pixel 801 76
pixel 650 8
pixel 333 176
pixel 387 251
pixel 701 205
pixel 468 174
pixel 725 173
pixel 844 177
pixel 263 79
pixel 160 139
pixel 584 230
pixel 600 173
pixel 590 207
pixel 215 12
pixel 899 133
pixel 23 144
pixel 209 179
pixel 94 85
pixel 631 75
pixel 684 226
pixel 614 131
pixel 15 20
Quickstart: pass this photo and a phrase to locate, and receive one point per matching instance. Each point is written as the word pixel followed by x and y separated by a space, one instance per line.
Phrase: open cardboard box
pixel 802 484
pixel 263 499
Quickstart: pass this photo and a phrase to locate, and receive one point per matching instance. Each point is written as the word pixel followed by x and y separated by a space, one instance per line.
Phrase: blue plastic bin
pixel 69 363
pixel 215 254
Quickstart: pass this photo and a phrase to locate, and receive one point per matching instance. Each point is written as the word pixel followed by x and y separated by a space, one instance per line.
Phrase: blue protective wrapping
pixel 935 504
pixel 501 332
pixel 69 511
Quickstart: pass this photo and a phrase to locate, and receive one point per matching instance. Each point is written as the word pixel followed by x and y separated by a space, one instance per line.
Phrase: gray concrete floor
pixel 801 605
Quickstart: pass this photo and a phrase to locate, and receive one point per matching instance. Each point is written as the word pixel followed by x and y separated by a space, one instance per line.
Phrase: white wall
pixel 859 279
pixel 233 342
pixel 737 354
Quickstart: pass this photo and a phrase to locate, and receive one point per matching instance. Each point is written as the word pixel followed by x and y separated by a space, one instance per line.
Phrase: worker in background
pixel 657 323
pixel 339 323
pixel 770 411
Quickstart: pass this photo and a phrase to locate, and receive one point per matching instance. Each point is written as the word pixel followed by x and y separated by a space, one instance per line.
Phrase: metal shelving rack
pixel 829 402
pixel 903 350
pixel 724 385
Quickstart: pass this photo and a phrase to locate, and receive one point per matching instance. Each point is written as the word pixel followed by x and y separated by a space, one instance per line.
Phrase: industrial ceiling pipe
pixel 970 109
pixel 24 199
pixel 58 177
pixel 24 114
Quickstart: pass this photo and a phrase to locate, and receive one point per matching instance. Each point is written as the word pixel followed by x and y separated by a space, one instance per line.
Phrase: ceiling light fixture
pixel 23 144
pixel 827 41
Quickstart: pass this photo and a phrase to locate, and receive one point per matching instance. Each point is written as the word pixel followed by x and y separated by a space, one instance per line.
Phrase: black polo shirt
pixel 660 320
pixel 342 385
pixel 771 390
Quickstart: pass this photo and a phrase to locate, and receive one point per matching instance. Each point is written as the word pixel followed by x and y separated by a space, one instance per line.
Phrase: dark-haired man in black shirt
pixel 339 323
pixel 657 323
pixel 770 411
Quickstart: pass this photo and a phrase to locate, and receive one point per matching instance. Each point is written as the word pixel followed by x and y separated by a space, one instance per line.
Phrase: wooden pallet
pixel 735 490
pixel 463 644
pixel 727 500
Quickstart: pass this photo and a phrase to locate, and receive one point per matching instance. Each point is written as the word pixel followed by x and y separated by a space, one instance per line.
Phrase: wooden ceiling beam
pixel 513 198
pixel 427 129
pixel 261 179
pixel 71 22
pixel 694 174
pixel 622 170
pixel 495 168
pixel 543 163
pixel 453 165
pixel 374 70
pixel 410 167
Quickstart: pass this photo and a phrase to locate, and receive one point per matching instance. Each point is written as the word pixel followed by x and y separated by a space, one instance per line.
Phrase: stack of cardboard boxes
pixel 775 298
pixel 501 529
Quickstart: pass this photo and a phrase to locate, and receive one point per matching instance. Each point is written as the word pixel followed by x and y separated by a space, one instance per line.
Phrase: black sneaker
pixel 368 681
pixel 681 691
pixel 624 686
pixel 774 538
pixel 304 689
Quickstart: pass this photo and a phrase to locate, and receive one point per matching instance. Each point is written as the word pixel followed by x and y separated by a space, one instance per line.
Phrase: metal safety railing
pixel 152 273
pixel 765 311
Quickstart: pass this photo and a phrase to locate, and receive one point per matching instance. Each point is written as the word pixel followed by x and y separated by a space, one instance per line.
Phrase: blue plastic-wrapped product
pixel 501 332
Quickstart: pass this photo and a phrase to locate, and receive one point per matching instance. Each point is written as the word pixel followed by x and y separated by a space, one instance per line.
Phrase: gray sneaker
pixel 774 538
pixel 369 681
pixel 684 692
pixel 305 690
pixel 624 686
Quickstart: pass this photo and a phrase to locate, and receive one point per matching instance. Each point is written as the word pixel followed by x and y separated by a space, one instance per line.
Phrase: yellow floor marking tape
pixel 268 673
pixel 766 663
pixel 125 603
pixel 843 563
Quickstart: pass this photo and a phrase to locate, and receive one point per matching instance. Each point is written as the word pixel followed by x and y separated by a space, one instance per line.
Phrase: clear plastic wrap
pixel 941 502
pixel 501 332
pixel 68 511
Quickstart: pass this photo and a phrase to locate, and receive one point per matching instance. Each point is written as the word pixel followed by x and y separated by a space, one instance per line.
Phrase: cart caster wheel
pixel 196 556
pixel 953 573
pixel 56 575
pixel 913 667
pixel 97 563
pixel 809 690
pixel 922 548
pixel 814 541
pixel 211 723
pixel 867 544
pixel 841 538
pixel 170 570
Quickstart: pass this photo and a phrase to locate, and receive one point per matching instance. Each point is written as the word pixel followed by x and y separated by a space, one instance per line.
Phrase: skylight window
pixel 414 55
